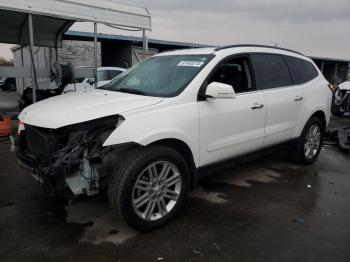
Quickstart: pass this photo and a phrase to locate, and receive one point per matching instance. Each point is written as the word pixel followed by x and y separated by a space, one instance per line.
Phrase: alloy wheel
pixel 156 190
pixel 312 141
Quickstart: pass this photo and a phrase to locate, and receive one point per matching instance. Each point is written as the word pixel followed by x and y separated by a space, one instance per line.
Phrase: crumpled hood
pixel 345 85
pixel 77 107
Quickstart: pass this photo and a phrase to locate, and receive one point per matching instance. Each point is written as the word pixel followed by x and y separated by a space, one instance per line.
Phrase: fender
pixel 158 123
pixel 303 123
pixel 149 138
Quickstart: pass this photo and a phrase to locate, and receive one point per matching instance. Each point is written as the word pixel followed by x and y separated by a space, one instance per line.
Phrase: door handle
pixel 298 98
pixel 257 106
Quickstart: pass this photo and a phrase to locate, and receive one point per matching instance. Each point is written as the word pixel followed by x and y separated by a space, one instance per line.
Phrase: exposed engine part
pixel 340 102
pixel 85 180
pixel 71 160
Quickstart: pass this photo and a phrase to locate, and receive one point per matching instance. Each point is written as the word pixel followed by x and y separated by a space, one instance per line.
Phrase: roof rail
pixel 252 45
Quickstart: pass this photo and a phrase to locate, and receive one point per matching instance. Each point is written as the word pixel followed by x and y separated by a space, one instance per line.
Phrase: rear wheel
pixel 150 187
pixel 309 143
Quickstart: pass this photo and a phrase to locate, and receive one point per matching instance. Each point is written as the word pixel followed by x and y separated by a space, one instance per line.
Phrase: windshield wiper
pixel 131 91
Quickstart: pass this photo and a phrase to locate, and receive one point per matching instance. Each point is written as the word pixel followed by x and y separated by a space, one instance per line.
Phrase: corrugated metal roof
pixel 133 39
pixel 52 18
pixel 101 11
pixel 330 59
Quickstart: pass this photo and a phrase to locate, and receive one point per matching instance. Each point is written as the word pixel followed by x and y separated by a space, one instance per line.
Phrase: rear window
pixel 302 70
pixel 271 71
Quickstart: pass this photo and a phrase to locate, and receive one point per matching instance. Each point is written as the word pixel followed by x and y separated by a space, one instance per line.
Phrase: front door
pixel 232 127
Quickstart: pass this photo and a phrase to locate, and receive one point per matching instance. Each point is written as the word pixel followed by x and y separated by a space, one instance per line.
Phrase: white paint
pixel 82 106
pixel 215 129
pixel 345 86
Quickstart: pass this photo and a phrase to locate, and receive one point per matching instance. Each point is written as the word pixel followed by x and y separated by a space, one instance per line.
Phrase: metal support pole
pixel 335 76
pixel 56 52
pixel 95 54
pixel 144 44
pixel 23 79
pixel 31 46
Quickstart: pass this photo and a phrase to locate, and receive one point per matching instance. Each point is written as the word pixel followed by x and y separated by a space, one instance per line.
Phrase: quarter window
pixel 302 70
pixel 271 71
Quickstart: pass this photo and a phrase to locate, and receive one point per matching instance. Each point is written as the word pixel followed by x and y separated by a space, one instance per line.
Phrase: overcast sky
pixel 314 27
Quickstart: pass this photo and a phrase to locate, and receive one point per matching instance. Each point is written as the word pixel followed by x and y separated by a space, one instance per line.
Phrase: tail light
pixel 331 87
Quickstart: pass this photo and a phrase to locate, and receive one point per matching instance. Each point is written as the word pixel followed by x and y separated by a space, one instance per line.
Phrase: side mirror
pixel 219 90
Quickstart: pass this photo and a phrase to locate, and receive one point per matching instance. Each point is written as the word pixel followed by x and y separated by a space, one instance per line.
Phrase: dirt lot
pixel 266 210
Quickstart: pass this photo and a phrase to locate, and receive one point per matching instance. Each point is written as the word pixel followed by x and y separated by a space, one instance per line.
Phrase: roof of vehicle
pixel 254 45
pixel 242 48
pixel 111 68
pixel 103 68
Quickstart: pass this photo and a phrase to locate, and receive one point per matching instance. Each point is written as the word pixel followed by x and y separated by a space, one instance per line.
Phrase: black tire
pixel 120 188
pixel 297 152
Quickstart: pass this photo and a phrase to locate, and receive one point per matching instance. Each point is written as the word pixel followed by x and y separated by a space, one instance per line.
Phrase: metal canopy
pixel 101 11
pixel 43 22
pixel 48 30
pixel 52 18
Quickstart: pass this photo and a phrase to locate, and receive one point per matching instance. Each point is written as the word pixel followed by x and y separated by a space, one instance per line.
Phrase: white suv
pixel 148 135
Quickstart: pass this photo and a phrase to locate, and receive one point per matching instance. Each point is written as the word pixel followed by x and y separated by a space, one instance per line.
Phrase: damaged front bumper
pixel 70 161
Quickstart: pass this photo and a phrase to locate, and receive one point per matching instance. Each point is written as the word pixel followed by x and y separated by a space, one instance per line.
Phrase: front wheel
pixel 150 187
pixel 309 143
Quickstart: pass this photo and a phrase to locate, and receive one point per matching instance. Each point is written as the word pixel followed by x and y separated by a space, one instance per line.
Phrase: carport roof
pixel 82 35
pixel 76 35
pixel 330 59
pixel 52 18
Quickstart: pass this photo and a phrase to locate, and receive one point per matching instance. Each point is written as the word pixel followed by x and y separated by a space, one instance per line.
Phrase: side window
pixel 113 73
pixel 302 70
pixel 102 75
pixel 271 71
pixel 235 72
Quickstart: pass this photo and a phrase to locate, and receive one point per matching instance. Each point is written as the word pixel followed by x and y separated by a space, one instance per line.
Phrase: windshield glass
pixel 162 76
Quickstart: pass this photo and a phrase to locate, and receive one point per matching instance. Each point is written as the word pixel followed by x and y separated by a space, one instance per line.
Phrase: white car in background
pixel 104 76
pixel 341 99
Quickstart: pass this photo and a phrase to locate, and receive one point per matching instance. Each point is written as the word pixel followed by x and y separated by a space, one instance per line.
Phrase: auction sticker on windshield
pixel 190 63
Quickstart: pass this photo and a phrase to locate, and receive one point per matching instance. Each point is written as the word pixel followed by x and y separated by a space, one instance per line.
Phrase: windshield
pixel 162 76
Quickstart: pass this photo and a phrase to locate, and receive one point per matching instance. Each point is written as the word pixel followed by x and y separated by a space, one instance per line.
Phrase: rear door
pixel 284 101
